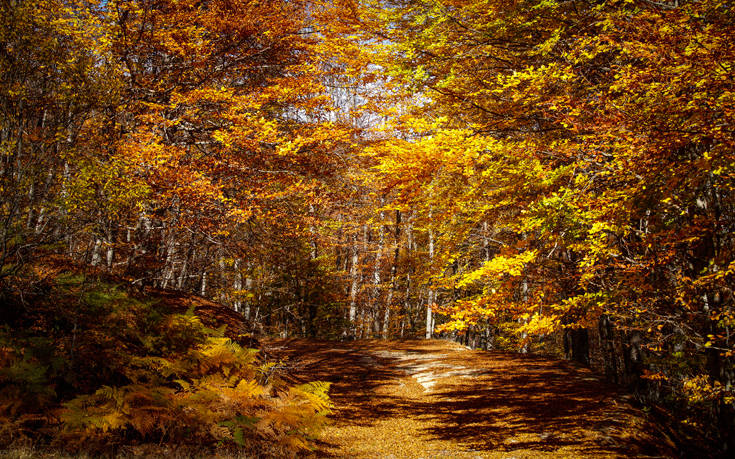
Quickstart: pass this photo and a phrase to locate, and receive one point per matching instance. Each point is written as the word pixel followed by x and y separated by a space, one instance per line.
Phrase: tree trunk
pixel 393 273
pixel 375 300
pixel 354 287
pixel 96 257
pixel 110 242
pixel 577 345
pixel 203 285
pixel 430 300
pixel 633 360
pixel 607 345
pixel 312 232
pixel 168 268
pixel 237 287
pixel 407 313
pixel 249 289
pixel 524 298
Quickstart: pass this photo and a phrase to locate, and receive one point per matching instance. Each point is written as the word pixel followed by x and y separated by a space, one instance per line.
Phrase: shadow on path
pixel 525 404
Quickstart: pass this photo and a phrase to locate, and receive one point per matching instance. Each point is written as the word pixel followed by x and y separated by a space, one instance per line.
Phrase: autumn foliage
pixel 91 367
pixel 531 176
pixel 576 163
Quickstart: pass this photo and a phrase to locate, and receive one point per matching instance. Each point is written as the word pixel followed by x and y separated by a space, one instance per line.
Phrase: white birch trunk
pixel 312 231
pixel 110 254
pixel 355 282
pixel 96 257
pixel 407 297
pixel 524 297
pixel 249 288
pixel 393 273
pixel 168 269
pixel 237 286
pixel 430 300
pixel 182 274
pixel 222 268
pixel 376 273
pixel 361 320
pixel 203 288
pixel 31 195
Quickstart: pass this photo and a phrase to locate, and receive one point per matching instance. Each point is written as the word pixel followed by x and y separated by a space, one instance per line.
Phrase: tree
pixel 594 143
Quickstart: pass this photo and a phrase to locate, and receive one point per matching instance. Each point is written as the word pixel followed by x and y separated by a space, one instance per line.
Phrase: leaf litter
pixel 434 399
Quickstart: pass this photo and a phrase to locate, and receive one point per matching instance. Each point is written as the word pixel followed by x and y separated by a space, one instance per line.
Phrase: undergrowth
pixel 87 367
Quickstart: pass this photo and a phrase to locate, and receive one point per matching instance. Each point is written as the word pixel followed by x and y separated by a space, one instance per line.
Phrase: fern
pixel 249 389
pixel 318 393
pixel 148 375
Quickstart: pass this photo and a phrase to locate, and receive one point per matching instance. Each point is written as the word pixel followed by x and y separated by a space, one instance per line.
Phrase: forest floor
pixel 430 399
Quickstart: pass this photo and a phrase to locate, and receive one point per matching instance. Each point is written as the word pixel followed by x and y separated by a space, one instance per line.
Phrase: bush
pixel 93 369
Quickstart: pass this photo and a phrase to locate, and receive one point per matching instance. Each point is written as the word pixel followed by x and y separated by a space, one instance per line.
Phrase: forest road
pixel 437 399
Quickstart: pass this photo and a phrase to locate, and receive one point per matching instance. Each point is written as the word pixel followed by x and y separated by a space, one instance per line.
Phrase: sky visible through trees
pixel 533 176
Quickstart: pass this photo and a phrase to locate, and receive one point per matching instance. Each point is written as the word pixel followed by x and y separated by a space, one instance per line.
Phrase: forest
pixel 183 179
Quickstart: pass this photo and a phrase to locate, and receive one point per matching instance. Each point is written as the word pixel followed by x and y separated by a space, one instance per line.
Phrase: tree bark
pixel 375 300
pixel 393 273
pixel 430 299
pixel 354 286
pixel 237 287
pixel 607 345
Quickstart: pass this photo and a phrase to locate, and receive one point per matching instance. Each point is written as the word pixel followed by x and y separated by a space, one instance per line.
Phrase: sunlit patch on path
pixel 430 399
pixel 427 368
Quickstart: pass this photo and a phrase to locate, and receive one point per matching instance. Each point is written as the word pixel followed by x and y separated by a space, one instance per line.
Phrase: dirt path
pixel 427 399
